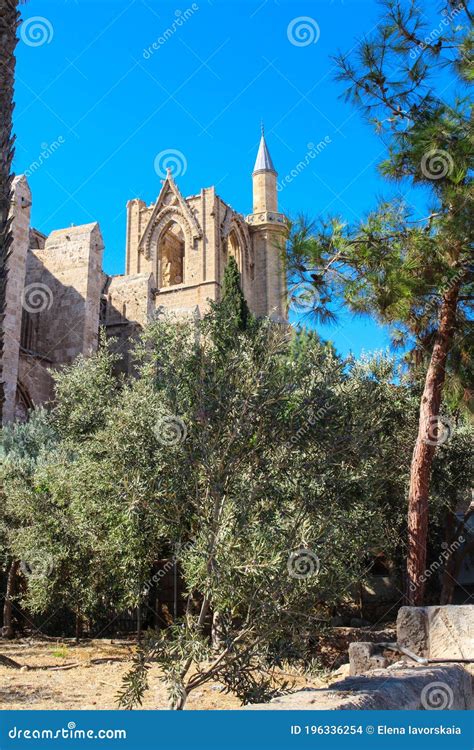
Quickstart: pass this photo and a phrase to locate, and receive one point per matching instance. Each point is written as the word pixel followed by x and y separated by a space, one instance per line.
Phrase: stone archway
pixel 237 243
pixel 234 249
pixel 170 256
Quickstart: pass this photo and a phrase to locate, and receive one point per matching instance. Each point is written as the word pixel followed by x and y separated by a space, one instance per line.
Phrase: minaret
pixel 264 180
pixel 268 232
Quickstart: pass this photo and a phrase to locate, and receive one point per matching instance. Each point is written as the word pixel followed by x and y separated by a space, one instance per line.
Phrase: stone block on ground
pixel 447 687
pixel 451 632
pixel 443 632
pixel 412 629
pixel 365 656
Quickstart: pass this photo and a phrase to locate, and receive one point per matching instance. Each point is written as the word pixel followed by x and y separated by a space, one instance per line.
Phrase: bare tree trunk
pixel 216 631
pixel 428 438
pixel 8 631
pixel 139 624
pixel 180 702
pixel 79 624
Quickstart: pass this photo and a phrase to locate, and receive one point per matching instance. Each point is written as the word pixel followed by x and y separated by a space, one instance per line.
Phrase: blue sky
pixel 97 89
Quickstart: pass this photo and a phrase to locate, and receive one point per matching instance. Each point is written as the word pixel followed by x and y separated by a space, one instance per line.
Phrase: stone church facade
pixel 176 251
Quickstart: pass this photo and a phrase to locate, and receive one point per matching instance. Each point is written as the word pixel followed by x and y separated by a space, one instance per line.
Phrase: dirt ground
pixel 99 665
pixel 89 685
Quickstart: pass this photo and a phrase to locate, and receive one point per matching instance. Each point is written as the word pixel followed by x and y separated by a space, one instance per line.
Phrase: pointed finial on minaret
pixel 262 127
pixel 264 160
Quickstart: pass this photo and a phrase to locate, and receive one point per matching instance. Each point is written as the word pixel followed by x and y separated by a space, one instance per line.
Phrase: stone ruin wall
pixel 58 295
pixel 53 298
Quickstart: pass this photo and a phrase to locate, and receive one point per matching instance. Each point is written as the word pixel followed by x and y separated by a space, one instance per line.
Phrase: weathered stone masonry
pixel 175 255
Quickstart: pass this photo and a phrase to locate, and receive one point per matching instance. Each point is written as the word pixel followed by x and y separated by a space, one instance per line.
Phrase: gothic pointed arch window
pixel 235 249
pixel 171 256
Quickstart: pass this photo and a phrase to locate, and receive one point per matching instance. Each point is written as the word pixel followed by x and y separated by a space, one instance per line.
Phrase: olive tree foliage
pixel 264 502
pixel 78 513
pixel 269 468
pixel 22 448
pixel 253 463
pixel 266 465
pixel 286 468
pixel 60 552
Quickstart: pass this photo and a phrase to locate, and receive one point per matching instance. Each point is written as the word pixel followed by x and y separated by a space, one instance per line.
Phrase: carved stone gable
pixel 170 206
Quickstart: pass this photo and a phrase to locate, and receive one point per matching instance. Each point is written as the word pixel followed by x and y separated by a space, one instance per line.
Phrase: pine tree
pixel 415 276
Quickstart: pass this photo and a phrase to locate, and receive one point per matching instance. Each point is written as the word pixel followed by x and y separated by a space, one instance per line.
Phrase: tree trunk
pixel 430 434
pixel 139 624
pixel 216 631
pixel 9 18
pixel 8 631
pixel 79 624
pixel 180 703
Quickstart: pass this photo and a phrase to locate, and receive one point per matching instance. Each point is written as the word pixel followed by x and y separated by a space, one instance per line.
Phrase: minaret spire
pixel 264 161
pixel 268 232
pixel 264 179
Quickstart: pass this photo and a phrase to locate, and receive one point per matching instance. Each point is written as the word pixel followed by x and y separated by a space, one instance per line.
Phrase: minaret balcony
pixel 266 217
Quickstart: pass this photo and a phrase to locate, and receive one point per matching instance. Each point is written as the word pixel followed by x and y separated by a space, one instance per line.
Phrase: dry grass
pixel 89 685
